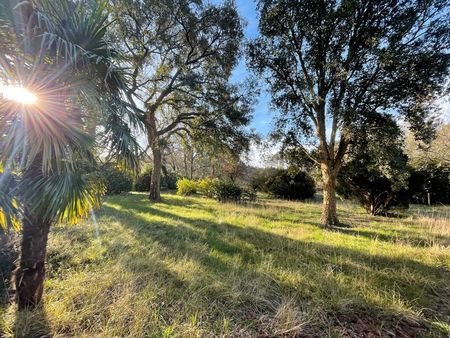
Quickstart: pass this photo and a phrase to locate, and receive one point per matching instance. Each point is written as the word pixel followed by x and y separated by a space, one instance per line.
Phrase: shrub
pixel 168 180
pixel 248 194
pixel 186 187
pixel 373 189
pixel 228 191
pixel 116 181
pixel 208 187
pixel 291 184
pixel 143 180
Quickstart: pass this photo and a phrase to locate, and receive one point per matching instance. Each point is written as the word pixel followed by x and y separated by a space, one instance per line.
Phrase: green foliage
pixel 187 187
pixel 260 178
pixel 47 144
pixel 168 180
pixel 208 186
pixel 221 190
pixel 143 180
pixel 339 69
pixel 117 181
pixel 228 191
pixel 432 179
pixel 248 194
pixel 377 177
pixel 190 87
pixel 289 183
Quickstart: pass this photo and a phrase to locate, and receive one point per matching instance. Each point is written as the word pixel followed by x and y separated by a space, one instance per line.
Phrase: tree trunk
pixel 329 214
pixel 155 184
pixel 30 273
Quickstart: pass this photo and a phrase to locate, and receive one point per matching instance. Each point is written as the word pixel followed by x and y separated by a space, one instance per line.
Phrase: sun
pixel 18 94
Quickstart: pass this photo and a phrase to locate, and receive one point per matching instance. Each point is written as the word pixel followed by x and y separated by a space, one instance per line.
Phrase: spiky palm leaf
pixel 60 51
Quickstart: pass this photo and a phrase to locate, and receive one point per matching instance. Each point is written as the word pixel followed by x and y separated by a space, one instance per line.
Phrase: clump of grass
pixel 190 267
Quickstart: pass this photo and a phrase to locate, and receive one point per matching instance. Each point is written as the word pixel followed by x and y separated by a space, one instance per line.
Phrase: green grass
pixel 190 267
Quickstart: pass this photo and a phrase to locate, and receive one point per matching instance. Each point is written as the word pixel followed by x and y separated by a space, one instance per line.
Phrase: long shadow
pixel 254 236
pixel 286 253
pixel 308 218
pixel 400 236
pixel 32 324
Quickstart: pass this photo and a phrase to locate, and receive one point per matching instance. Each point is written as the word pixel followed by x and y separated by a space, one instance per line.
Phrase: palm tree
pixel 59 52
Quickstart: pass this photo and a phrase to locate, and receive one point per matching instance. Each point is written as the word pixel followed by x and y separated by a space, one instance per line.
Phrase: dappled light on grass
pixel 192 267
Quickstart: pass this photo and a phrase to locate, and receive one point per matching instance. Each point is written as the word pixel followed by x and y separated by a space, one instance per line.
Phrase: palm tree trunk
pixel 329 213
pixel 30 273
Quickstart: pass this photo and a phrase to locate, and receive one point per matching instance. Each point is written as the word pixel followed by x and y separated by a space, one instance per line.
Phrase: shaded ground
pixel 189 267
pixel 8 255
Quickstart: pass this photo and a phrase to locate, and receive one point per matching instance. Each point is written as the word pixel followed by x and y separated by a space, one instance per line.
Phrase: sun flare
pixel 18 94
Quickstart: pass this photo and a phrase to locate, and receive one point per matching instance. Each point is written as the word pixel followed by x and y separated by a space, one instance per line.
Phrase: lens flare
pixel 18 94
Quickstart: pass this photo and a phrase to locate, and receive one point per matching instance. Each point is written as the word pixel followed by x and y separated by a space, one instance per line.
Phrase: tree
pixel 181 54
pixel 430 184
pixel 339 68
pixel 438 151
pixel 377 173
pixel 60 52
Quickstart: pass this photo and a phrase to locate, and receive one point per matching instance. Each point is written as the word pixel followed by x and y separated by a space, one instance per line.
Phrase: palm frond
pixel 121 142
pixel 59 49
pixel 9 208
pixel 68 196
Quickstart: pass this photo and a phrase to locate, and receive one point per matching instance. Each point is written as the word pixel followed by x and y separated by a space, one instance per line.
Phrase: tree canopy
pixel 337 69
pixel 181 55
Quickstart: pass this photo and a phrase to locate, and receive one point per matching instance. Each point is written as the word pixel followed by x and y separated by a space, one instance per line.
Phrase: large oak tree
pixel 338 68
pixel 181 55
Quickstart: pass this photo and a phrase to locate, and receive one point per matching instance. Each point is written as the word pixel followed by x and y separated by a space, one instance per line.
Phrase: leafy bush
pixel 168 180
pixel 228 191
pixel 291 184
pixel 208 187
pixel 248 194
pixel 187 187
pixel 116 180
pixel 143 180
pixel 377 191
pixel 223 191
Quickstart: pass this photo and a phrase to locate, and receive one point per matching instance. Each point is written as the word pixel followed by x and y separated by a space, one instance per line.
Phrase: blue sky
pixel 262 115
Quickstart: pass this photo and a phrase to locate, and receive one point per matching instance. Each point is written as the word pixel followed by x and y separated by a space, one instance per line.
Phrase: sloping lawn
pixel 190 267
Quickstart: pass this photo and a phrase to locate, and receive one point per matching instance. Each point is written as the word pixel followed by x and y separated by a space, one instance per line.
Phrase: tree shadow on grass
pixel 399 236
pixel 323 264
pixel 32 324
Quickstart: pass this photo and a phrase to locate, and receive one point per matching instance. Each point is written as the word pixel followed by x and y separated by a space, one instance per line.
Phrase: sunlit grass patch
pixel 190 267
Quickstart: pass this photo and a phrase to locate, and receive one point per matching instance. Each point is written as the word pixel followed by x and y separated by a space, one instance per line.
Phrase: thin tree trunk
pixel 30 273
pixel 329 214
pixel 155 184
pixel 153 141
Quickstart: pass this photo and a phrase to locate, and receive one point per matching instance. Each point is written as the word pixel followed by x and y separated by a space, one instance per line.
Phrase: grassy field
pixel 190 267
